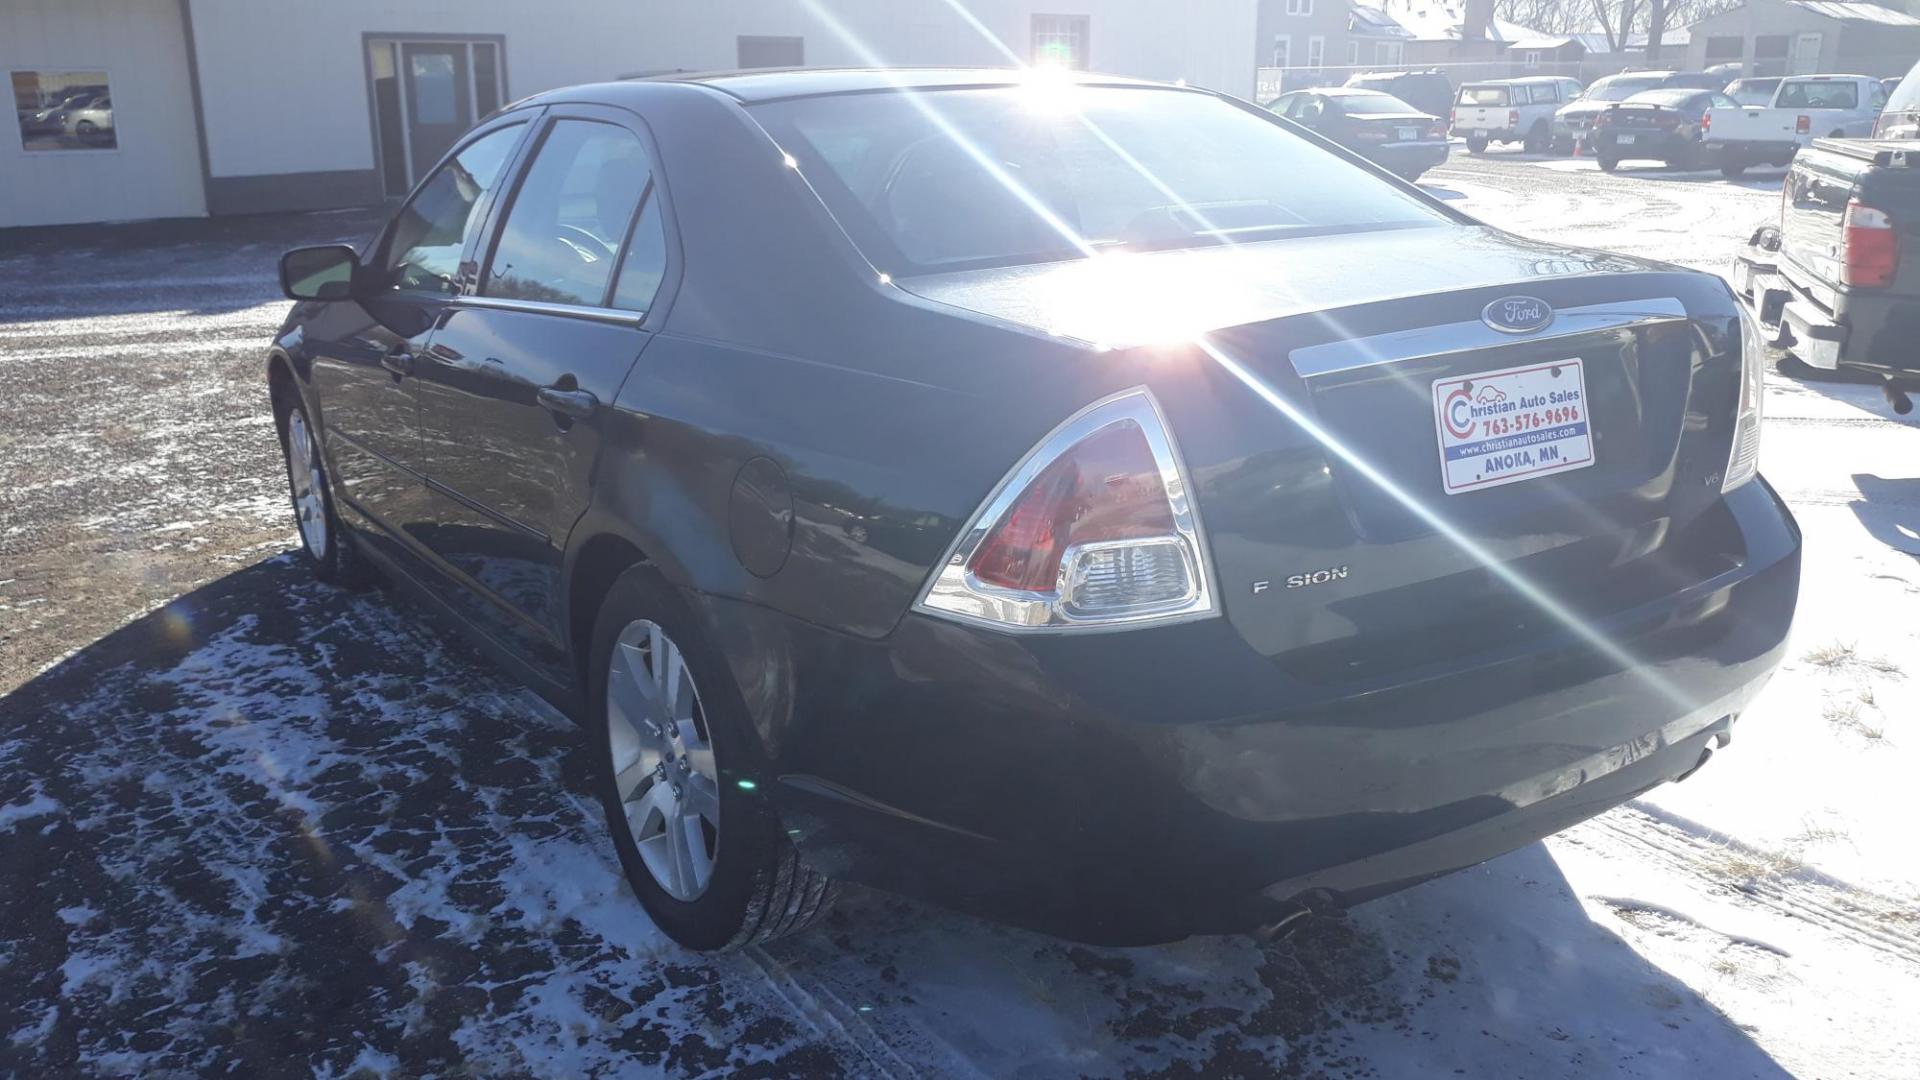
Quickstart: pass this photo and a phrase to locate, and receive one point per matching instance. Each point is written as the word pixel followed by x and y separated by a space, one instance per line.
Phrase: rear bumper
pixel 1870 332
pixel 1658 145
pixel 1407 157
pixel 1750 151
pixel 1146 785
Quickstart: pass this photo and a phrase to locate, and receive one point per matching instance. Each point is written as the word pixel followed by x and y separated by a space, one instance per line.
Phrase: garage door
pixel 103 126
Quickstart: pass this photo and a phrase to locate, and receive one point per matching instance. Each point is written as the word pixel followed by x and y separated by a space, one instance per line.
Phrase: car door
pixel 362 350
pixel 517 384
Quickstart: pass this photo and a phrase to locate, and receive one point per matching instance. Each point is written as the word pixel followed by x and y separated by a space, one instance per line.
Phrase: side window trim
pixel 527 120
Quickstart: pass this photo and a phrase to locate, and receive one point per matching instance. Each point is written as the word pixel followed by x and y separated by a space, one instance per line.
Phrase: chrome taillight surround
pixel 955 593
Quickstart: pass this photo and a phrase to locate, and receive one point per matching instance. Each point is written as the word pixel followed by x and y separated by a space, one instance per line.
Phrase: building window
pixel 1299 7
pixel 770 52
pixel 1316 52
pixel 1531 58
pixel 1282 50
pixel 1386 52
pixel 1353 54
pixel 64 110
pixel 1060 41
pixel 1723 49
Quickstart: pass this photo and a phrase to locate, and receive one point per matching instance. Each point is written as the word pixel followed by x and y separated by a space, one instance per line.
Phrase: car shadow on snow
pixel 1889 509
pixel 274 824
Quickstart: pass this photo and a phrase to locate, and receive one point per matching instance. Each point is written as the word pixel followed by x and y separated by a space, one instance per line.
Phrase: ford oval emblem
pixel 1517 314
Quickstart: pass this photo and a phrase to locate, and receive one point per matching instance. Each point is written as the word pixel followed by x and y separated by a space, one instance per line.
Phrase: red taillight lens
pixel 1706 122
pixel 1105 488
pixel 1094 528
pixel 1439 130
pixel 1871 248
pixel 1453 117
pixel 1513 118
pixel 1803 124
pixel 1605 119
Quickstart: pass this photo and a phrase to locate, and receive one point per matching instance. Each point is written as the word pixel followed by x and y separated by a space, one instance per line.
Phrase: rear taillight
pixel 1870 249
pixel 1439 130
pixel 1094 529
pixel 1743 460
pixel 1453 117
pixel 1513 119
pixel 1605 119
pixel 1803 124
pixel 1706 122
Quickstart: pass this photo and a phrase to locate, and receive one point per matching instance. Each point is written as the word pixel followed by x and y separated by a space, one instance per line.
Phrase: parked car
pixel 964 485
pixel 92 121
pixel 1834 279
pixel 1661 125
pixel 1805 107
pixel 1571 121
pixel 1379 127
pixel 1900 117
pixel 1427 91
pixel 1753 92
pixel 1510 111
pixel 1723 72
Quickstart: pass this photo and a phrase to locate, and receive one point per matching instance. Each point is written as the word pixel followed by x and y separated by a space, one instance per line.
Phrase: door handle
pixel 400 363
pixel 577 404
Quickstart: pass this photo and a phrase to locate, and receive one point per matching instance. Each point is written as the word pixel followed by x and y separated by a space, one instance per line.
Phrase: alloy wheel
pixel 305 474
pixel 663 762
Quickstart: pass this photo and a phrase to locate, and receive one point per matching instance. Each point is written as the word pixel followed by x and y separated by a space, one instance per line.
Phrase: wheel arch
pixel 596 563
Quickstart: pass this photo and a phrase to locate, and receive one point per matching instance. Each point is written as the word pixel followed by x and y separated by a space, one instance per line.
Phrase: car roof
pixel 776 83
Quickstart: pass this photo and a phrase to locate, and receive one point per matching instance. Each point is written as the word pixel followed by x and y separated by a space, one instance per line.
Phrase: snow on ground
pixel 248 822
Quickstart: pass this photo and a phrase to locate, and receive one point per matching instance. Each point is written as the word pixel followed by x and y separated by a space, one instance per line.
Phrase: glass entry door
pixel 426 94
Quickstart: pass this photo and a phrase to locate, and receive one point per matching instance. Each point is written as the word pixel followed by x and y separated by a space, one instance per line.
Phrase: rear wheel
pixel 700 846
pixel 1732 169
pixel 1608 164
pixel 1538 139
pixel 1476 145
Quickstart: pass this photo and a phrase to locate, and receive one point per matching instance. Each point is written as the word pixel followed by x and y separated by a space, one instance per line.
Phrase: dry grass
pixel 1745 865
pixel 1835 655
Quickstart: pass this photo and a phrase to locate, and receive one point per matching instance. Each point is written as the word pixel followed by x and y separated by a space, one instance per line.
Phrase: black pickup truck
pixel 1828 283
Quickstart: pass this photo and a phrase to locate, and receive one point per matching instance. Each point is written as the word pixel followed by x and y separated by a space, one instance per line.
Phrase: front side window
pixel 1017 175
pixel 64 110
pixel 431 232
pixel 564 229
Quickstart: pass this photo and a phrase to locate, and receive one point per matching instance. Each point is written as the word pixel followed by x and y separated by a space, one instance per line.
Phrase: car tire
pixel 84 128
pixel 1476 146
pixel 755 887
pixel 1538 139
pixel 328 547
pixel 1608 164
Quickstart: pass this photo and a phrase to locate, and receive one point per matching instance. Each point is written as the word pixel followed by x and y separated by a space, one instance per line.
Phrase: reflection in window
pixel 430 234
pixel 64 110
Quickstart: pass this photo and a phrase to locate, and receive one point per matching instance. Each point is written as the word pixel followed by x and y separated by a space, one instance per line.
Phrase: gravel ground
pixel 240 833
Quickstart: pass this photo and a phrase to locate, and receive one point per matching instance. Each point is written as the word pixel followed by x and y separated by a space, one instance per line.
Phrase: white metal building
pixel 134 109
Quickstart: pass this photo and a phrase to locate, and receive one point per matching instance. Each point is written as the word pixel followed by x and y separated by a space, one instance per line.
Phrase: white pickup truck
pixel 1804 108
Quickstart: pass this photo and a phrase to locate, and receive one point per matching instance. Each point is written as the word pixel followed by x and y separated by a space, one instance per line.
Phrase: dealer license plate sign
pixel 1501 427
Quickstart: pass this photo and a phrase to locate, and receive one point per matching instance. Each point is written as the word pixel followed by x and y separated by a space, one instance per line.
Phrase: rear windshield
pixel 964 178
pixel 1818 95
pixel 1372 103
pixel 1483 95
pixel 1753 91
pixel 1668 99
pixel 1620 87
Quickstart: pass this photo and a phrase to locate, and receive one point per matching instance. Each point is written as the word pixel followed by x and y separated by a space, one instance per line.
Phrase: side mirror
pixel 319 273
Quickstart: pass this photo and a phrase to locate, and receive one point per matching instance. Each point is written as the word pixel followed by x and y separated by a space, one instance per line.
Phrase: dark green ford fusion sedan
pixel 1097 505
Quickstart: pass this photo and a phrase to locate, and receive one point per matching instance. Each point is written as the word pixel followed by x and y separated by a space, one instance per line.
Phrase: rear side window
pixel 645 263
pixel 1483 95
pixel 430 234
pixel 563 232
pixel 1818 95
pixel 964 178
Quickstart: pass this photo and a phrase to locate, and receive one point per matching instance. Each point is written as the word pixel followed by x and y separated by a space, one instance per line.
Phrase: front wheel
pixel 1608 164
pixel 1476 146
pixel 1732 169
pixel 329 551
pixel 698 841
